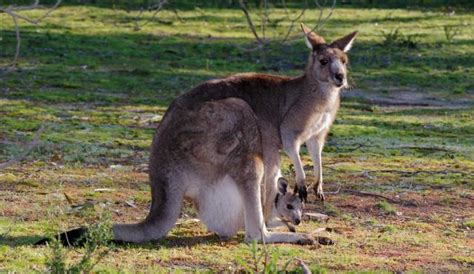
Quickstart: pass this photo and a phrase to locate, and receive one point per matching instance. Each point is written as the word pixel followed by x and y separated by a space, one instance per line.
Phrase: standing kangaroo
pixel 219 143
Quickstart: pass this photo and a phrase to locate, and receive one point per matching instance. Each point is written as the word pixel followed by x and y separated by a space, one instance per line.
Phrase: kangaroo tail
pixel 164 211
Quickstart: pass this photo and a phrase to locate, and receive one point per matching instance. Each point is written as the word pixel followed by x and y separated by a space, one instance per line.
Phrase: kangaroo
pixel 211 154
pixel 226 219
pixel 311 116
pixel 217 142
pixel 287 209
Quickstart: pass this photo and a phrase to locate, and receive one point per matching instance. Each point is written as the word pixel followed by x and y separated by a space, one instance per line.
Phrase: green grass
pixel 386 207
pixel 99 88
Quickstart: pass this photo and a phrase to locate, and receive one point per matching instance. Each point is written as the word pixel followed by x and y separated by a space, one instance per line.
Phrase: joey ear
pixel 282 185
pixel 345 43
pixel 312 39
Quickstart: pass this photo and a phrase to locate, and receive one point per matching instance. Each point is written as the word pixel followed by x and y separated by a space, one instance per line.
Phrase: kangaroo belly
pixel 221 207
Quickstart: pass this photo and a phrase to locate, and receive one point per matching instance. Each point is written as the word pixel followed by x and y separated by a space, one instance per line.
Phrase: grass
pixel 99 88
pixel 386 207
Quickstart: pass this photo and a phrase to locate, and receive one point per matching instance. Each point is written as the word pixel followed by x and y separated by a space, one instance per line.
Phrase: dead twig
pixel 261 36
pixel 321 21
pixel 13 12
pixel 426 148
pixel 416 172
pixel 333 192
pixel 371 194
pixel 27 151
pixel 358 146
pixel 156 8
pixel 292 23
pixel 244 8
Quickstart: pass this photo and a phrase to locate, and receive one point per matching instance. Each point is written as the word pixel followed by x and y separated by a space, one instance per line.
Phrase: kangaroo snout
pixel 297 221
pixel 339 77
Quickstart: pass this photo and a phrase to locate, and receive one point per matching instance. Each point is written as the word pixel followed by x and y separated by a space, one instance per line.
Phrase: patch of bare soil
pixel 409 205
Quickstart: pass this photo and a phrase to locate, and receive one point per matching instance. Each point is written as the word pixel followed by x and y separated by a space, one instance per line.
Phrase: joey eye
pixel 323 61
pixel 289 206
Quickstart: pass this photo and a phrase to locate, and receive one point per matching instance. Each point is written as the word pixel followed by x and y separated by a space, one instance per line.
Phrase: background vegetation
pixel 398 164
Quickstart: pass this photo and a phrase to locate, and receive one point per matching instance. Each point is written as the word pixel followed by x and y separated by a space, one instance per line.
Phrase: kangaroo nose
pixel 339 77
pixel 297 221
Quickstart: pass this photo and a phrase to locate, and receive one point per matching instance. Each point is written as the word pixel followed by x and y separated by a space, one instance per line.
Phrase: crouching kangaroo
pixel 287 211
pixel 212 154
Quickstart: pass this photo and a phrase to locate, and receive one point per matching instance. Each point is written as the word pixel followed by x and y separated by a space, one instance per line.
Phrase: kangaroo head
pixel 288 205
pixel 327 63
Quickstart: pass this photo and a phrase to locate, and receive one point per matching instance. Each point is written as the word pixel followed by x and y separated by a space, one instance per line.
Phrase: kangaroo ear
pixel 345 43
pixel 312 39
pixel 282 185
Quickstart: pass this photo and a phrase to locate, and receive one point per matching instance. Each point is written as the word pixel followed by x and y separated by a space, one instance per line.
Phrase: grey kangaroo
pixel 225 215
pixel 219 145
pixel 211 154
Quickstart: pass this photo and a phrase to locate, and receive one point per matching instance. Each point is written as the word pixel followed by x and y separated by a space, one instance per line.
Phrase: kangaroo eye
pixel 323 61
pixel 289 206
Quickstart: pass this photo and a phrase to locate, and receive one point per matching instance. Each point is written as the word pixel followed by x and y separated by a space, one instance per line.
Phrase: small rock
pixel 130 203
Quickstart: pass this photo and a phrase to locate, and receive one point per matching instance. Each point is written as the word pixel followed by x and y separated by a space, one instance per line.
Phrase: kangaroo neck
pixel 310 92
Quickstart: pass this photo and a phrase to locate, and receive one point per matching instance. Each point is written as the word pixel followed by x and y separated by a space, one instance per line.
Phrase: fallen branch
pixel 416 172
pixel 23 155
pixel 371 194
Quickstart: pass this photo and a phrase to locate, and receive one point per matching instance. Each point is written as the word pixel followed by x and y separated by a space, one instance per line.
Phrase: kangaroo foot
pixel 318 189
pixel 307 240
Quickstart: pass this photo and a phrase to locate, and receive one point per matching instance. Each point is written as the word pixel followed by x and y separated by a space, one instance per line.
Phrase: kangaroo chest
pixel 321 123
pixel 317 124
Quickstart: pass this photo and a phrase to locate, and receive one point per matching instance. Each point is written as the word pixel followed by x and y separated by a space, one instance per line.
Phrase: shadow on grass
pixel 167 242
pixel 187 241
pixel 15 241
pixel 144 68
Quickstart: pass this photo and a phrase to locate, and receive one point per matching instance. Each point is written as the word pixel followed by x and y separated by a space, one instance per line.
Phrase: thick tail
pixel 164 211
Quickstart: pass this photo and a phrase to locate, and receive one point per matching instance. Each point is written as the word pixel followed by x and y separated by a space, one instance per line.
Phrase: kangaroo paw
pixel 302 192
pixel 318 189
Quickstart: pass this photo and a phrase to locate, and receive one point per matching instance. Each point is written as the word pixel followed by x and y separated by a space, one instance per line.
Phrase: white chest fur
pixel 322 123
